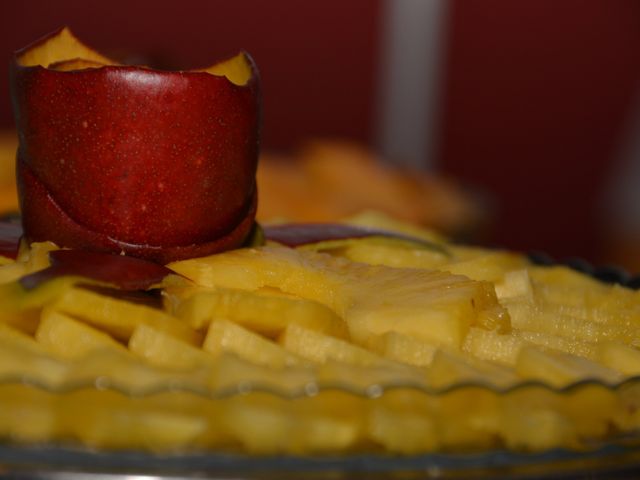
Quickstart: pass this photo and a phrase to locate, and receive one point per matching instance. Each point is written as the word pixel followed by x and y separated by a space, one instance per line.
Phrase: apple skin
pixel 155 164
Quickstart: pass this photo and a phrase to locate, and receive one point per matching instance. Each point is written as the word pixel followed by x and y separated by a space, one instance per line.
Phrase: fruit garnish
pixel 127 273
pixel 157 164
pixel 322 236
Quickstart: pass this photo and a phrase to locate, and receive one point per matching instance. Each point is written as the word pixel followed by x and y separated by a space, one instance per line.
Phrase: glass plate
pixel 237 381
pixel 69 463
pixel 99 379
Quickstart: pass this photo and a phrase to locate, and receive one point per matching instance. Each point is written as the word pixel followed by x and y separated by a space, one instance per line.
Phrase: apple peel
pixel 156 164
pixel 123 272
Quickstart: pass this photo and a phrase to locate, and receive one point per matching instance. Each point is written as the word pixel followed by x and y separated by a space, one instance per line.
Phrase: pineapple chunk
pixel 393 255
pixel 11 272
pixel 548 319
pixel 565 278
pixel 175 290
pixel 262 423
pixel 163 350
pixel 516 285
pixel 578 295
pixel 489 266
pixel 127 372
pixel 537 429
pixel 402 431
pixel 30 260
pixel 560 369
pixel 404 349
pixel 27 414
pixel 320 348
pixel 14 336
pixel 21 358
pixel 620 357
pixel 37 256
pixel 228 337
pixel 567 345
pixel 449 368
pixel 491 345
pixel 266 424
pixel 435 306
pixel 119 317
pixel 381 221
pixel 21 308
pixel 109 420
pixel 266 313
pixel 68 338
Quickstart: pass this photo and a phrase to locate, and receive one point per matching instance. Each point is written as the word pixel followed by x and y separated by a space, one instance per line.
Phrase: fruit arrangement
pixel 364 341
pixel 197 330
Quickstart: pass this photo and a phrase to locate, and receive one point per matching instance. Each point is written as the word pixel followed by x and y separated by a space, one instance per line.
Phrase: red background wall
pixel 317 59
pixel 536 96
pixel 534 100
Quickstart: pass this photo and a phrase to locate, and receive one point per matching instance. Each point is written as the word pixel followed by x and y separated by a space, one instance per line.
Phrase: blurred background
pixel 498 122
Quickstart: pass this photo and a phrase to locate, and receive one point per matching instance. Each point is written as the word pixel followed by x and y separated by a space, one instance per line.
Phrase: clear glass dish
pixel 247 420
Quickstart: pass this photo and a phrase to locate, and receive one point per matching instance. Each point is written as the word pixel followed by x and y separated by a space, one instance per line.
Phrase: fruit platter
pixel 149 324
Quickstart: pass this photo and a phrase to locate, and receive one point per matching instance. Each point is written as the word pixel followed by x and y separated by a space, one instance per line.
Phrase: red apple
pixel 155 164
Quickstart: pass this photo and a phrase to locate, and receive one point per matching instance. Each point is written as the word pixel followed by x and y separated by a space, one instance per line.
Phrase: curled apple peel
pixel 157 164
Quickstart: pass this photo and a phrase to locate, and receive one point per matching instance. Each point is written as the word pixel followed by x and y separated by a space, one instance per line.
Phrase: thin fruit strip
pixel 560 369
pixel 225 336
pixel 372 299
pixel 68 338
pixel 163 350
pixel 320 348
pixel 534 318
pixel 266 313
pixel 119 317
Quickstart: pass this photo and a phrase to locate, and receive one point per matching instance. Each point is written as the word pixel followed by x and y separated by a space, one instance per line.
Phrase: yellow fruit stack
pixel 364 346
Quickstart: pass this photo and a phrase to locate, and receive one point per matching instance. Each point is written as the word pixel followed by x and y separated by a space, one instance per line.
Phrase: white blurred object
pixel 622 201
pixel 412 47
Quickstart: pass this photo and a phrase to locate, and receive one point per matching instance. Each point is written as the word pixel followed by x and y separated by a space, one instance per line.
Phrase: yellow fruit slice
pixel 266 424
pixel 11 272
pixel 382 221
pixel 320 348
pixel 532 420
pixel 620 357
pixel 489 266
pixel 265 313
pixel 402 431
pixel 449 368
pixel 164 350
pixel 563 344
pixel 68 338
pixel 559 368
pixel 373 300
pixel 120 317
pixel 21 359
pixel 392 255
pixel 491 345
pixel 515 285
pixel 13 336
pixel 404 349
pixel 228 337
pixel 549 319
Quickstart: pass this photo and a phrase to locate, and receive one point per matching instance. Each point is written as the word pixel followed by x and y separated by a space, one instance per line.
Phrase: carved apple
pixel 155 164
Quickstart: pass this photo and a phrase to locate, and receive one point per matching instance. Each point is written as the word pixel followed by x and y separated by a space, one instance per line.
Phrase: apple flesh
pixel 156 164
